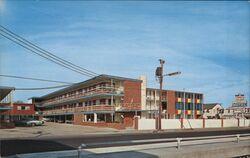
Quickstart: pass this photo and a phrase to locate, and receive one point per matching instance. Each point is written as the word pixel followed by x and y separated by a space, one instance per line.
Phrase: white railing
pixel 172 142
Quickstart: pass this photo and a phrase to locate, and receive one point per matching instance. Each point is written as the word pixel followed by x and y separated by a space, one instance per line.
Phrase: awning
pixel 4 91
pixel 5 108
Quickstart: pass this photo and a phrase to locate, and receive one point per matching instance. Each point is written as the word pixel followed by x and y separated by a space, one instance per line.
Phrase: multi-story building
pixel 175 104
pixel 106 99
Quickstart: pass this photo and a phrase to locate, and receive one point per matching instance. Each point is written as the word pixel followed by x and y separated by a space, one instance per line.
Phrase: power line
pixel 35 79
pixel 40 88
pixel 48 57
pixel 45 54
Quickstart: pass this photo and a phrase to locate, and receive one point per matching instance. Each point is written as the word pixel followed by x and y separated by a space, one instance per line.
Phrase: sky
pixel 207 41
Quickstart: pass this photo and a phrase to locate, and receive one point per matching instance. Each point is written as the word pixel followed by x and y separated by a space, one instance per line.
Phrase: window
pixel 27 107
pixel 18 107
pixel 102 101
pixel 94 102
pixel 80 104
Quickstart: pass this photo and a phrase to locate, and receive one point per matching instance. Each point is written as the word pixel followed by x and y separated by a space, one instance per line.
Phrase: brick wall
pixel 15 110
pixel 78 119
pixel 132 94
pixel 128 119
pixel 171 102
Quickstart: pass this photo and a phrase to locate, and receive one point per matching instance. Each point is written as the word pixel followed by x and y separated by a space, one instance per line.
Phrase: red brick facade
pixel 132 95
pixel 20 109
pixel 171 103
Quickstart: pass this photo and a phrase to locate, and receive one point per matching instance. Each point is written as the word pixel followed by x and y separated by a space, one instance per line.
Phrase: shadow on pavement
pixel 13 147
pixel 127 154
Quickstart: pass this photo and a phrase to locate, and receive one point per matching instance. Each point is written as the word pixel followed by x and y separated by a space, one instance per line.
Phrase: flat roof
pixel 173 90
pixel 4 91
pixel 76 85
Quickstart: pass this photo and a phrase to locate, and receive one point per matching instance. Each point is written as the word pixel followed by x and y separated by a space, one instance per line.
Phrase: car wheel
pixel 33 124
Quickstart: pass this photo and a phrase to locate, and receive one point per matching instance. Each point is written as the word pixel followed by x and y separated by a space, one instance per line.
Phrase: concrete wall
pixel 146 124
pixel 170 123
pixel 212 123
pixel 244 123
pixel 150 124
pixel 192 123
pixel 230 123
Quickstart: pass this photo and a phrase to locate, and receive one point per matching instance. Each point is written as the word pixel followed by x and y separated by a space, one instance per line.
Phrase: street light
pixel 173 73
pixel 159 74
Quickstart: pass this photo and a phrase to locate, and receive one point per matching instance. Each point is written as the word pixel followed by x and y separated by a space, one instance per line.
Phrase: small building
pixel 11 111
pixel 239 108
pixel 212 111
pixel 23 110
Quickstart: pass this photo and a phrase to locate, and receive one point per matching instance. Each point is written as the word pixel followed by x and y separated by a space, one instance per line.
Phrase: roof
pixel 92 80
pixel 210 105
pixel 4 91
pixel 173 90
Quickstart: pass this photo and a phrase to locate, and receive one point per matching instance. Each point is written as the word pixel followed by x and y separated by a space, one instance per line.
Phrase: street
pixel 31 145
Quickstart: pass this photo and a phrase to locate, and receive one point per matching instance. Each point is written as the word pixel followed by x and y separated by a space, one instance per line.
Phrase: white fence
pixel 146 124
pixel 171 124
pixel 150 124
pixel 192 123
pixel 213 123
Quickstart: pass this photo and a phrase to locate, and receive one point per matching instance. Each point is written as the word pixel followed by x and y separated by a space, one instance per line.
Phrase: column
pixel 95 117
pixel 85 118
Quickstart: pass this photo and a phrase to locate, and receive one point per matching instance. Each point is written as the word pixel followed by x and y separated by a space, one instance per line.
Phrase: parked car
pixel 28 122
pixel 46 119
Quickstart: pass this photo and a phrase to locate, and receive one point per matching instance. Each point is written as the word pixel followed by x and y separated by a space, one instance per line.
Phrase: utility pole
pixel 159 74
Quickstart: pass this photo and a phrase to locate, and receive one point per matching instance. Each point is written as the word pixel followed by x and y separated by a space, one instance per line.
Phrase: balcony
pixel 79 109
pixel 81 95
pixel 129 107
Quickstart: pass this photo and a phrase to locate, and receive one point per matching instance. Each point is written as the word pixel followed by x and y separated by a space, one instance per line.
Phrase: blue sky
pixel 207 41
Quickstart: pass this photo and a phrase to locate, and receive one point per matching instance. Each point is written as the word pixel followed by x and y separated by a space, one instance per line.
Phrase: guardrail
pixel 177 144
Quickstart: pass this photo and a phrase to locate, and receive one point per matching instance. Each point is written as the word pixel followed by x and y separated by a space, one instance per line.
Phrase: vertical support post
pixel 95 117
pixel 193 106
pixel 178 143
pixel 184 104
pixel 222 123
pixel 238 122
pixel 203 122
pixel 136 122
pixel 238 138
pixel 112 117
pixel 79 152
pixel 182 123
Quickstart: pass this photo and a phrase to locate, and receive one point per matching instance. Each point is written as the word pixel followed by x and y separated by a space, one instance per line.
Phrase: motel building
pixel 114 101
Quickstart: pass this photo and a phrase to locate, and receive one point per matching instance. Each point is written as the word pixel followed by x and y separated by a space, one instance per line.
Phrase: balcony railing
pixel 80 109
pixel 78 95
pixel 93 108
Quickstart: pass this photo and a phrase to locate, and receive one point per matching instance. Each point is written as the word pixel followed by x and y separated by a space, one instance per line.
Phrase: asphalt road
pixel 20 146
